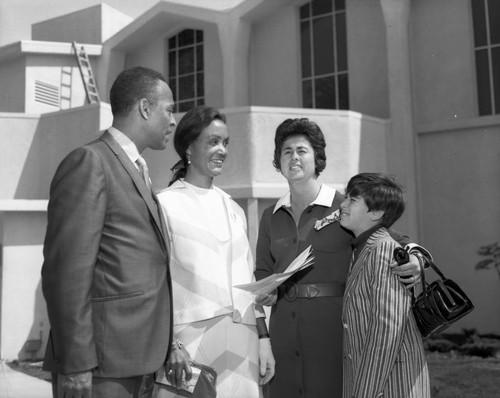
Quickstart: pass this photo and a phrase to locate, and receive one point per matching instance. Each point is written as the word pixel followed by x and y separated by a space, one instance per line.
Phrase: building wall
pixel 153 54
pixel 35 145
pixel 150 55
pixel 367 59
pixel 12 83
pixel 459 154
pixel 214 70
pixel 57 70
pixel 275 60
pixel 24 325
pixel 16 135
pixel 443 63
pixel 92 25
pixel 459 169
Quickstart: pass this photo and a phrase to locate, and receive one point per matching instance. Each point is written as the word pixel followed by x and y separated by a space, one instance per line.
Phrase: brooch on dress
pixel 334 217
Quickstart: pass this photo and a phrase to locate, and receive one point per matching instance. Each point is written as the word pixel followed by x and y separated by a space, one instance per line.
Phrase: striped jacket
pixel 383 349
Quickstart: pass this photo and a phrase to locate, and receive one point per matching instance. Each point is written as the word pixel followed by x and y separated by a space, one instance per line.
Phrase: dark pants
pixel 132 387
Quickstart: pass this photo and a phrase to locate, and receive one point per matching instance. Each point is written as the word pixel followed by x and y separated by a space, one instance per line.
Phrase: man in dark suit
pixel 105 275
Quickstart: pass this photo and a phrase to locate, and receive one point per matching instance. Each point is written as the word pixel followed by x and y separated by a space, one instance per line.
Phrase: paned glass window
pixel 485 17
pixel 323 40
pixel 185 69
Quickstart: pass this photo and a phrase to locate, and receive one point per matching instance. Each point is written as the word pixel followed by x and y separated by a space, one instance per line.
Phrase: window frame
pixel 487 89
pixel 340 77
pixel 196 73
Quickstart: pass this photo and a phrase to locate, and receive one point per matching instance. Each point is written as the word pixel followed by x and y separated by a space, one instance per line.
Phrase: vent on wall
pixel 47 94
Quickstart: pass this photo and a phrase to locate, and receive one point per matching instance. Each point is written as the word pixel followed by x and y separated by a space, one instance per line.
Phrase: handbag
pixel 201 385
pixel 440 304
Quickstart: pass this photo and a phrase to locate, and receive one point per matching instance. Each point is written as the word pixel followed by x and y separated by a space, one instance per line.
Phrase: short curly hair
pixel 305 128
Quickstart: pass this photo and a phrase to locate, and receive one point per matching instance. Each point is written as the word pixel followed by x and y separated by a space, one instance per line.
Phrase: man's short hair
pixel 132 85
pixel 380 192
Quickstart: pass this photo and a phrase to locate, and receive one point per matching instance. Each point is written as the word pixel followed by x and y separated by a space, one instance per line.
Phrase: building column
pixel 234 35
pixel 253 222
pixel 401 140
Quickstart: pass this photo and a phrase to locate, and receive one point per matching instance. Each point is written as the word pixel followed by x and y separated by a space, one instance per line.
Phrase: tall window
pixel 185 69
pixel 324 54
pixel 485 15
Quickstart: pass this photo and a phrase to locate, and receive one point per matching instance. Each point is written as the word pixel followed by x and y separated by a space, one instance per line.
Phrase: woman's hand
pixel 409 273
pixel 267 299
pixel 266 361
pixel 177 363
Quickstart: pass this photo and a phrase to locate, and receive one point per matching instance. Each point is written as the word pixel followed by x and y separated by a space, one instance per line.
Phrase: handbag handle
pixel 402 256
pixel 422 259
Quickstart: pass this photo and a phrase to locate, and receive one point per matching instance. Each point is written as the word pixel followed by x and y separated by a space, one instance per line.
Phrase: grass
pixel 452 375
pixel 456 376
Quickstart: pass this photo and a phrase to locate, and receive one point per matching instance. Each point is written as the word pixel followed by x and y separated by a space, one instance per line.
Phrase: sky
pixel 17 16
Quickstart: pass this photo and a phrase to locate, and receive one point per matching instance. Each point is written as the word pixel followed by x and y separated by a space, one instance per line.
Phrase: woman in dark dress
pixel 305 325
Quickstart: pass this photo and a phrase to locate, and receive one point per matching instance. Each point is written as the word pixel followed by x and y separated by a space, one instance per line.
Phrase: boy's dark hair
pixel 380 192
pixel 305 128
pixel 130 86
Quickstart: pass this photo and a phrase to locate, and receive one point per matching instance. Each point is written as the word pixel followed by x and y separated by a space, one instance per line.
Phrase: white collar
pixel 325 198
pixel 126 143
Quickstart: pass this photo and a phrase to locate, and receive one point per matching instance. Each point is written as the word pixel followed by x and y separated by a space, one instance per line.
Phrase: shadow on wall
pixel 55 136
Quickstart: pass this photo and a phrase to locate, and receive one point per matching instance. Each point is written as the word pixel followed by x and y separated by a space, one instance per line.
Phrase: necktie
pixel 143 169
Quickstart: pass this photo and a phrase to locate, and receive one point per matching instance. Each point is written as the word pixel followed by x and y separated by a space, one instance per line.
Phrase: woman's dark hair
pixel 188 130
pixel 380 192
pixel 305 128
pixel 132 85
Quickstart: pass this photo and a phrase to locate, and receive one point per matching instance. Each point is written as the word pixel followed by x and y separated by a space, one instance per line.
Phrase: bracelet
pixel 177 344
pixel 264 336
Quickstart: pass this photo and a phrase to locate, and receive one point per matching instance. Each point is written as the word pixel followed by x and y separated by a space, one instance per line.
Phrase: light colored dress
pixel 209 254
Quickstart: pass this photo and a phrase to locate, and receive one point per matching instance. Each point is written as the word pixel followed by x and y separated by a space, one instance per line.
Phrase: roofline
pixel 23 47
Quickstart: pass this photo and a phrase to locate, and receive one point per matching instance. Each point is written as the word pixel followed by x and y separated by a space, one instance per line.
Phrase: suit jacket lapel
pixel 148 196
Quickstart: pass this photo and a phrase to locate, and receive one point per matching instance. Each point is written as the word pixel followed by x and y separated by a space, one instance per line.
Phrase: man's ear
pixel 144 108
pixel 376 215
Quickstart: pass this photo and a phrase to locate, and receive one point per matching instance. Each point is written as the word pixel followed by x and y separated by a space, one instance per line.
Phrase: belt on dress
pixel 292 291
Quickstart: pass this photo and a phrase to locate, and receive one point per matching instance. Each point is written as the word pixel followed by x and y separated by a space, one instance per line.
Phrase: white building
pixel 399 86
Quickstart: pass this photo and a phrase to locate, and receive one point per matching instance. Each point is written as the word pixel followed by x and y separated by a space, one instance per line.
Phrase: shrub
pixel 439 345
pixel 483 348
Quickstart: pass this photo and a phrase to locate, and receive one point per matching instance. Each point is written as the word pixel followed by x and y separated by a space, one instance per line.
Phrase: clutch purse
pixel 201 385
pixel 440 304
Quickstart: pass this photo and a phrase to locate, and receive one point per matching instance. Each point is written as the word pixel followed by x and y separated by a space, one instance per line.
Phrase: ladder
pixel 86 73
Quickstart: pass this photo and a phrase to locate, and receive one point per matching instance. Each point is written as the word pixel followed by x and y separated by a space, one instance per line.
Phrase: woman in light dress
pixel 214 323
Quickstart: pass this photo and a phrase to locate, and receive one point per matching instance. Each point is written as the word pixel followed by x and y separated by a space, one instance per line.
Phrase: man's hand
pixel 75 385
pixel 409 273
pixel 266 361
pixel 177 363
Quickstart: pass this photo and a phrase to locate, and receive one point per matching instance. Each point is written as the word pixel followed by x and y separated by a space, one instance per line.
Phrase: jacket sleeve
pixel 404 241
pixel 387 320
pixel 76 214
